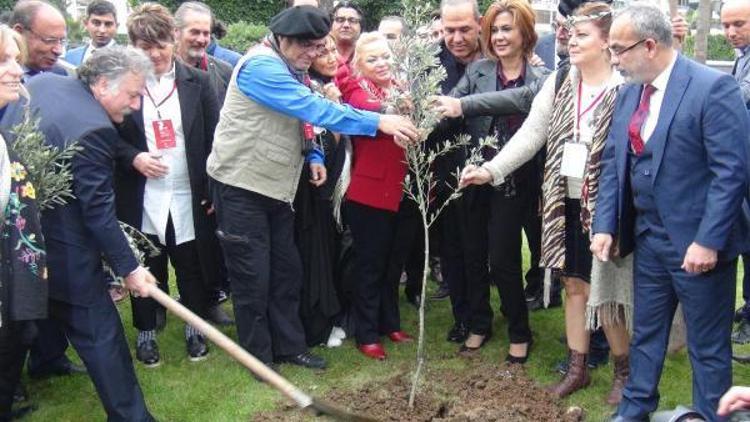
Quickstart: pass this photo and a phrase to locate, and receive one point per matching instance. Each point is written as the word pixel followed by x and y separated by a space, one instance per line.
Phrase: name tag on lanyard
pixel 164 134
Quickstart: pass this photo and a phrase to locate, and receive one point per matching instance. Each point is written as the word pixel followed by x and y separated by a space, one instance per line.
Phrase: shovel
pixel 299 397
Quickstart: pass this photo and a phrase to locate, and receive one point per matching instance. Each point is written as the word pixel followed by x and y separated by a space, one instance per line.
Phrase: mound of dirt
pixel 480 393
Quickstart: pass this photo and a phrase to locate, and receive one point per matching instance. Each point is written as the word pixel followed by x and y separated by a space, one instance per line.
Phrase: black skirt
pixel 578 256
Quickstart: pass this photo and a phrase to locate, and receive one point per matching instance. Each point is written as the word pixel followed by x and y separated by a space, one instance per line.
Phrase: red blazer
pixel 379 165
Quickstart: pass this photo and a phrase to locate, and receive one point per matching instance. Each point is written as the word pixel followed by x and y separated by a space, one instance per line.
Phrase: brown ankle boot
pixel 575 379
pixel 620 377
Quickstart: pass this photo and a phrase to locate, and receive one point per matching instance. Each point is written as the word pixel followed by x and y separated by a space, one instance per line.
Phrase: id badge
pixel 164 134
pixel 574 159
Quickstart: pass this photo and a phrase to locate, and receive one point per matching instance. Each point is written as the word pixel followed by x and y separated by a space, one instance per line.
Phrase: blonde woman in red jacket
pixel 373 197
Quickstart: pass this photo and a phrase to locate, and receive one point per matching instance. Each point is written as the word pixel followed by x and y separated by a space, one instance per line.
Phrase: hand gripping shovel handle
pixel 250 362
pixel 233 349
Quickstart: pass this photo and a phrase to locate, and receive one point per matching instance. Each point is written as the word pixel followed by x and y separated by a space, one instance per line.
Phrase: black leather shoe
pixel 537 302
pixel 741 334
pixel 197 348
pixel 148 354
pixel 522 359
pixel 20 394
pixel 218 316
pixel 441 293
pixel 458 333
pixel 19 412
pixel 307 360
pixel 59 367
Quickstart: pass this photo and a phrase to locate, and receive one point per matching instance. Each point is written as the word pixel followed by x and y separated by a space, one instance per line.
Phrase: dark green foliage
pixel 718 48
pixel 242 35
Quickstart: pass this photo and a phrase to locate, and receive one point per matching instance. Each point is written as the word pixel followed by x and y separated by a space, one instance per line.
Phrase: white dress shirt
pixel 91 48
pixel 660 83
pixel 171 194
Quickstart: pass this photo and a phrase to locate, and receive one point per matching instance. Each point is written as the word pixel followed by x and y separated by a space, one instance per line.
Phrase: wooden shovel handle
pixel 233 349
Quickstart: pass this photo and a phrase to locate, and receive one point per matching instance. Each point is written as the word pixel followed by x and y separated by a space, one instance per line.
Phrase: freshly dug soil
pixel 481 393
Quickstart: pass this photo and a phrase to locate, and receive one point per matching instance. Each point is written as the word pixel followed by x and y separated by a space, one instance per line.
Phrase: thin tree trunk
pixel 701 34
pixel 422 302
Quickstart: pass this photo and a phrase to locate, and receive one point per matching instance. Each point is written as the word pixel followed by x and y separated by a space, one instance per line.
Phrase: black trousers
pixel 257 235
pixel 375 297
pixel 407 253
pixel 14 343
pixel 49 347
pixel 96 332
pixel 194 293
pixel 464 258
pixel 507 215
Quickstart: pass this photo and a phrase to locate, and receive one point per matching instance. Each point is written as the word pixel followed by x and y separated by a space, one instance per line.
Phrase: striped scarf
pixel 554 185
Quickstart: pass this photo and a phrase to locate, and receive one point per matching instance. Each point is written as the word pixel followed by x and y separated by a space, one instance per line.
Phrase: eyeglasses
pixel 618 53
pixel 50 41
pixel 319 48
pixel 556 26
pixel 352 21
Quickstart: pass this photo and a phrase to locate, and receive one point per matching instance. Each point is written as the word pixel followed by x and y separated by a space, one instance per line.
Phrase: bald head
pixel 43 29
pixel 735 19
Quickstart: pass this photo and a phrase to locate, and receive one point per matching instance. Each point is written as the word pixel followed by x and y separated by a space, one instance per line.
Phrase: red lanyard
pixel 589 108
pixel 164 100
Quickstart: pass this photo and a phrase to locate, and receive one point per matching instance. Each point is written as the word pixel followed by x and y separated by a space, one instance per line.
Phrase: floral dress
pixel 23 281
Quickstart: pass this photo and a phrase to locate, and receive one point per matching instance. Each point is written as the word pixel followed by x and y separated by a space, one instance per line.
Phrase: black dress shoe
pixel 522 359
pixel 307 360
pixel 467 351
pixel 19 412
pixel 458 333
pixel 441 293
pixel 197 348
pixel 59 367
pixel 20 394
pixel 218 316
pixel 148 354
pixel 741 334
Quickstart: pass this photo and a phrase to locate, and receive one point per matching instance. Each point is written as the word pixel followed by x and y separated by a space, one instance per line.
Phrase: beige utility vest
pixel 256 148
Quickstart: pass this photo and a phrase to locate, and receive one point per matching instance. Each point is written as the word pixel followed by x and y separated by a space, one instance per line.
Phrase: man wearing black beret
pixel 264 137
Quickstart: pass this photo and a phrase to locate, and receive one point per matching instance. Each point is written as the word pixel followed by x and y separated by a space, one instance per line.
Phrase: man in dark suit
pixel 79 233
pixel 673 180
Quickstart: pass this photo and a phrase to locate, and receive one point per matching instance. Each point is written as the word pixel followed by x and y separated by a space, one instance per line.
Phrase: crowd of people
pixel 274 178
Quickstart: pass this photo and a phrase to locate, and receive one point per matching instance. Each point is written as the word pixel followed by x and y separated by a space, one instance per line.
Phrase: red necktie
pixel 638 119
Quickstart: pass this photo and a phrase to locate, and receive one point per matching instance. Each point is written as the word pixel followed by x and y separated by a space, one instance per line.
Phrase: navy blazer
pixel 699 170
pixel 75 56
pixel 80 233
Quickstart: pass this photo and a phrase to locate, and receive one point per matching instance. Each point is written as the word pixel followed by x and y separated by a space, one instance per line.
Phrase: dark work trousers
pixel 14 342
pixel 504 232
pixel 49 346
pixel 375 299
pixel 465 256
pixel 184 258
pixel 96 332
pixel 408 249
pixel 265 271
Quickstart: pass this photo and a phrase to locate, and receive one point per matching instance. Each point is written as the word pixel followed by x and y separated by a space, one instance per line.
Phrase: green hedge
pixel 242 35
pixel 718 48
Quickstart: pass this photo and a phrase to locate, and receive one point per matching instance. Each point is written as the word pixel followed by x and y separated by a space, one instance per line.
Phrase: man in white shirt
pixel 101 24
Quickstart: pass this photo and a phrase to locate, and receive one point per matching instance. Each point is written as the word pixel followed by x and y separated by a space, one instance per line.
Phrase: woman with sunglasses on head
pixel 571 116
pixel 317 219
pixel 23 281
pixel 373 199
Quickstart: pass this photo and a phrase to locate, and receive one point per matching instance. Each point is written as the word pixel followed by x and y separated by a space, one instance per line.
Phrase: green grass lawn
pixel 218 389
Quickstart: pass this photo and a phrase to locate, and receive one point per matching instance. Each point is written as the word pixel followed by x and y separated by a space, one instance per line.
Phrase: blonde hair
pixel 7 35
pixel 363 42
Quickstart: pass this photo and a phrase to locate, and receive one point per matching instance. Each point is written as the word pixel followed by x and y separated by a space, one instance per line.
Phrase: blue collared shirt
pixel 267 81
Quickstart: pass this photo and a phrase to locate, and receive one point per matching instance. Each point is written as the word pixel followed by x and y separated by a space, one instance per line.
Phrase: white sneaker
pixel 338 332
